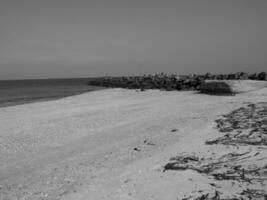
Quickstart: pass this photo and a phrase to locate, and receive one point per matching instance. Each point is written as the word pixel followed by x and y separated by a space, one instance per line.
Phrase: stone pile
pixel 169 82
pixel 158 81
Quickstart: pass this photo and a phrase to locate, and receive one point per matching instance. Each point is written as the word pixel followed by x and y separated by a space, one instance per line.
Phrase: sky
pixel 88 38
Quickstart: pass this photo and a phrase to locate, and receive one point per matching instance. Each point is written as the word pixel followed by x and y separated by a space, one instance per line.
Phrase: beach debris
pixel 217 196
pixel 183 163
pixel 243 126
pixel 255 194
pixel 136 149
pixel 226 167
pixel 245 194
pixel 149 143
pixel 208 196
pixel 246 127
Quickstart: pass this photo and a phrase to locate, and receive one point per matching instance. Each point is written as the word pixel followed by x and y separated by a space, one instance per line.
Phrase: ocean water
pixel 15 92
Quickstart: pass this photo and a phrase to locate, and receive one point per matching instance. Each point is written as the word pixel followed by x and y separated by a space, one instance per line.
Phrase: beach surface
pixel 114 144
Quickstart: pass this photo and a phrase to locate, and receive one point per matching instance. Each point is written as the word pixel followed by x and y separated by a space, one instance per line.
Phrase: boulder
pixel 230 87
pixel 216 87
pixel 262 76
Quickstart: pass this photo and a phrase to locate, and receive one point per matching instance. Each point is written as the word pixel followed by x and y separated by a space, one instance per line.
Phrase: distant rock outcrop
pixel 170 82
pixel 216 87
pixel 230 87
pixel 262 76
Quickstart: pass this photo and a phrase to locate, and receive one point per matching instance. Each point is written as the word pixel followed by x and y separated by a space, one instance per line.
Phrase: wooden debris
pixel 149 143
pixel 243 126
pixel 246 126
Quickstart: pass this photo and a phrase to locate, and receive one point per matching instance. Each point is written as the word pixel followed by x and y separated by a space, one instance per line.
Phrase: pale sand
pixel 82 147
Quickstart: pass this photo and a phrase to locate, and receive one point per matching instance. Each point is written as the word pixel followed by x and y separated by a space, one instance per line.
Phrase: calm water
pixel 25 91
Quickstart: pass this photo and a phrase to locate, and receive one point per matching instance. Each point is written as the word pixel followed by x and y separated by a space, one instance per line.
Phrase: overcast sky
pixel 83 38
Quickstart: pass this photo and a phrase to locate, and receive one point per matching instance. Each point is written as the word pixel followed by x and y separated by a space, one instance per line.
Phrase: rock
pixel 253 76
pixel 262 76
pixel 169 82
pixel 216 87
pixel 137 149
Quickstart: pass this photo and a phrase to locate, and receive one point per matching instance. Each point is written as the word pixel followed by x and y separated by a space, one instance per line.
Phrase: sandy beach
pixel 114 144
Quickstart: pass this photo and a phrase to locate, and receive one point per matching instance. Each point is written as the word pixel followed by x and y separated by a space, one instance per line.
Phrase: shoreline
pixel 19 92
pixel 27 100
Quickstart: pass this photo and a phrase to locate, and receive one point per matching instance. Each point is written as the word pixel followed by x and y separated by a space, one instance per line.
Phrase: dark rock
pixel 137 149
pixel 262 76
pixel 215 87
pixel 168 82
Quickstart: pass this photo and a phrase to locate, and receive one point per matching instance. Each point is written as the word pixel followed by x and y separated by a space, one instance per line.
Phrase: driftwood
pixel 249 194
pixel 226 167
pixel 244 126
pixel 255 194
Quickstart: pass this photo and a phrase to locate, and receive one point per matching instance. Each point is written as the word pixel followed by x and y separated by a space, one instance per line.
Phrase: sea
pixel 14 92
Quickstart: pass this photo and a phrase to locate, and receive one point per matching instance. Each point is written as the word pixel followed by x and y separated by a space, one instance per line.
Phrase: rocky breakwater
pixel 158 81
pixel 169 82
